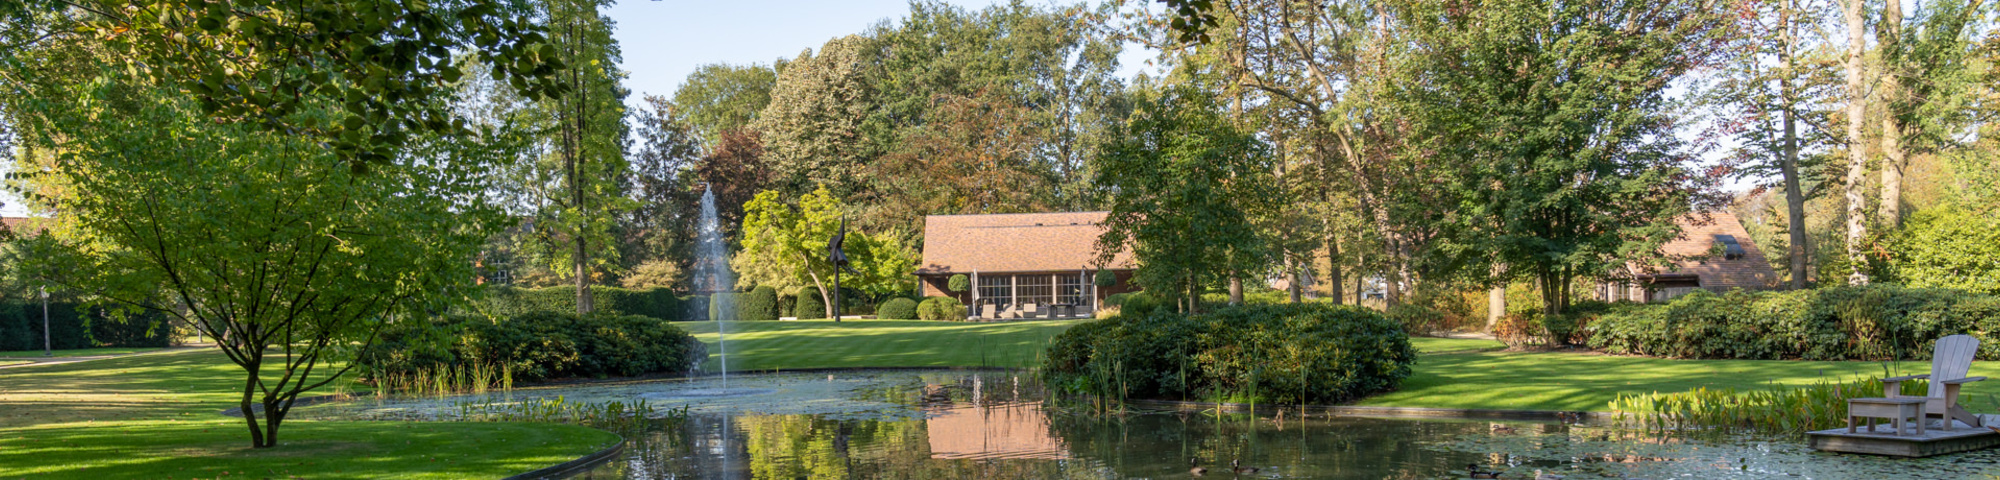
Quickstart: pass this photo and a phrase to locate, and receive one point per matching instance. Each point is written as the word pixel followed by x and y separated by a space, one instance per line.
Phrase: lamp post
pixel 46 350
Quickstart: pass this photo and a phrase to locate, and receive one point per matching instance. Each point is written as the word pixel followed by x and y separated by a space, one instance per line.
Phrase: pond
pixel 957 424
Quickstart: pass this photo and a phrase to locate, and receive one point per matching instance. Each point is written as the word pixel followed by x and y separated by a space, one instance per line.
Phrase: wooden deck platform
pixel 1961 438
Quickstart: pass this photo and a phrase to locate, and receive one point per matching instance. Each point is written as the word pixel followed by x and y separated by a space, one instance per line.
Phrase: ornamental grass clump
pixel 1775 410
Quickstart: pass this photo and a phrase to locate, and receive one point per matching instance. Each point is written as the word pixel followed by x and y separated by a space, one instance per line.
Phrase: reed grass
pixel 612 415
pixel 441 380
pixel 1776 409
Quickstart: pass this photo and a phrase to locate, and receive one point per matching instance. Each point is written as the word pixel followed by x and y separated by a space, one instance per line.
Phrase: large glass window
pixel 996 290
pixel 1036 289
pixel 1069 289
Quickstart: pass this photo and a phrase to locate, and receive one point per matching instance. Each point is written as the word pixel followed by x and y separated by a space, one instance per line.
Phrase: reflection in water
pixel 946 425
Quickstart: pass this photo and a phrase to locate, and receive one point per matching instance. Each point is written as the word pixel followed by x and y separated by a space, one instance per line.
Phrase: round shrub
pixel 897 309
pixel 809 305
pixel 958 283
pixel 1114 300
pixel 1105 279
pixel 1291 353
pixel 760 303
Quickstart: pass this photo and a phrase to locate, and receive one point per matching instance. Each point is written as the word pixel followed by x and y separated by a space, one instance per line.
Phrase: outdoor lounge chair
pixel 1949 364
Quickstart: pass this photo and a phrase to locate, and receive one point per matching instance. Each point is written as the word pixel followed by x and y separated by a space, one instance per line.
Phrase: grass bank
pixel 82 352
pixel 155 416
pixel 1588 382
pixel 804 344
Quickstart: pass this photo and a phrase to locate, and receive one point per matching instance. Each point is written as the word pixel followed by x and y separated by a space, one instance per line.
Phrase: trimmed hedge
pixel 897 309
pixel 717 300
pixel 660 303
pixel 1291 353
pixel 1877 322
pixel 760 304
pixel 73 325
pixel 535 345
pixel 809 306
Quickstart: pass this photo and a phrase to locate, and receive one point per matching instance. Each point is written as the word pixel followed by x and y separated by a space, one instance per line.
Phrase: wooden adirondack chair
pixel 1949 364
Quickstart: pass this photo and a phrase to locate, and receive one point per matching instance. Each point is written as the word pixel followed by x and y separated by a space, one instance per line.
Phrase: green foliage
pixel 1137 304
pixel 1877 322
pixel 898 308
pixel 1416 318
pixel 660 303
pixel 1293 353
pixel 75 325
pixel 358 77
pixel 785 247
pixel 959 283
pixel 760 303
pixel 1556 117
pixel 718 97
pixel 536 345
pixel 1105 279
pixel 1186 183
pixel 941 308
pixel 1952 248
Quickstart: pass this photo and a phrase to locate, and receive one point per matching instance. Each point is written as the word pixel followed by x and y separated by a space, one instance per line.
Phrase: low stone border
pixel 1367 411
pixel 573 467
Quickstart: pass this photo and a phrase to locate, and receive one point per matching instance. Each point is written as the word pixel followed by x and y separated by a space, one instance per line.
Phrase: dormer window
pixel 1730 249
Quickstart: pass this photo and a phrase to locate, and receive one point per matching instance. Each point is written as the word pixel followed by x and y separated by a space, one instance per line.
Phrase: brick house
pixel 1713 253
pixel 1020 265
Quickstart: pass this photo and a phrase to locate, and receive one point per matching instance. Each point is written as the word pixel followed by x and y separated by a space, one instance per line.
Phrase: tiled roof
pixel 1703 259
pixel 1015 242
pixel 24 225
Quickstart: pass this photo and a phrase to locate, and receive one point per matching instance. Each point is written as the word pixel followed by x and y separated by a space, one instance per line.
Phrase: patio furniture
pixel 987 312
pixel 1029 310
pixel 1951 360
pixel 1897 409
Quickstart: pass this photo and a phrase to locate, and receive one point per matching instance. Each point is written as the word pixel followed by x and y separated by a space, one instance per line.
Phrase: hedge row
pixel 1290 353
pixel 1877 322
pixel 759 303
pixel 73 325
pixel 660 303
pixel 941 308
pixel 535 345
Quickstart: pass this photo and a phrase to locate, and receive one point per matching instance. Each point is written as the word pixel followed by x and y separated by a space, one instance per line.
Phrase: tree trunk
pixel 1857 150
pixel 1297 282
pixel 580 257
pixel 250 415
pixel 1888 35
pixel 1496 298
pixel 1788 166
pixel 1235 289
pixel 1333 281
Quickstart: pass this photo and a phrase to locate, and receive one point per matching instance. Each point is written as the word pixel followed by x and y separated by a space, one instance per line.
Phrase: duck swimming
pixel 1240 469
pixel 1472 470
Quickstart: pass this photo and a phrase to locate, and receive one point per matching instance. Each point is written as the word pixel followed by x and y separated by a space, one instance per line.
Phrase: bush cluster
pixel 1289 353
pixel 1877 322
pixel 941 308
pixel 660 303
pixel 535 345
pixel 809 305
pixel 898 308
pixel 74 325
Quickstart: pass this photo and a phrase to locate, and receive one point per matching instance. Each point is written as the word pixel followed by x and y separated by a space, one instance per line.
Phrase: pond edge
pixel 573 467
pixel 1372 411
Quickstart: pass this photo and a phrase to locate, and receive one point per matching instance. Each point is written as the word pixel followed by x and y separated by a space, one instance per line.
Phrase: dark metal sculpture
pixel 838 257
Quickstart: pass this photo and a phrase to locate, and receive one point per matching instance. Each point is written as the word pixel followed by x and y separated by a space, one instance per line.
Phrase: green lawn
pixel 1588 382
pixel 1430 345
pixel 774 345
pixel 13 362
pixel 154 416
pixel 80 352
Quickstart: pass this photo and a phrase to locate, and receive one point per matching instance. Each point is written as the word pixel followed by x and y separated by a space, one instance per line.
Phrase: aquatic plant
pixel 611 415
pixel 1775 410
pixel 440 380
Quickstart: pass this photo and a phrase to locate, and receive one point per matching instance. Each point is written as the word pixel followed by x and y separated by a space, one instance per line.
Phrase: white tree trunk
pixel 1857 150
